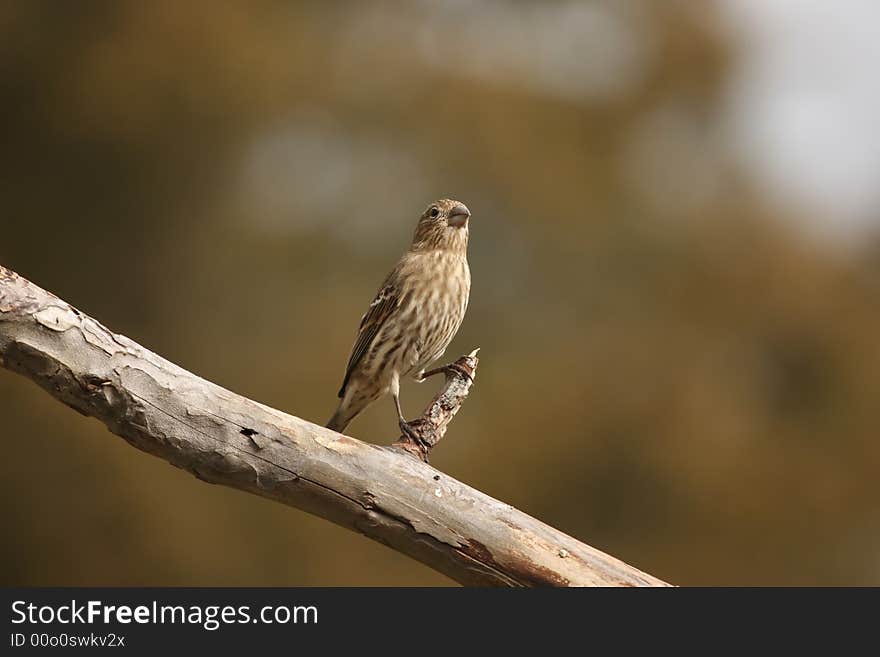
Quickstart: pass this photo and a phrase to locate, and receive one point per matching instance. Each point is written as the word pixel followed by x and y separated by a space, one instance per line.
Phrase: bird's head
pixel 443 225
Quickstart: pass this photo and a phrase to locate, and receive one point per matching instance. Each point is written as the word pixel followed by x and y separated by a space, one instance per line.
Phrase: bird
pixel 413 317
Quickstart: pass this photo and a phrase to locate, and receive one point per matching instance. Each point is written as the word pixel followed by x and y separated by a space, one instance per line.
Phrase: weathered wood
pixel 227 439
pixel 428 430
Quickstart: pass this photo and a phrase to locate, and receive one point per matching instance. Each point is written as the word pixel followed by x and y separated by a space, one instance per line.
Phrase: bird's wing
pixel 386 301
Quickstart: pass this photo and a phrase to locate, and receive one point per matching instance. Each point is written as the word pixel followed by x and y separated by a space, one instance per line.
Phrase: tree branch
pixel 429 429
pixel 227 439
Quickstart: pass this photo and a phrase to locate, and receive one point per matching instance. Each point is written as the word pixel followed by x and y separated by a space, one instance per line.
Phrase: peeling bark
pixel 224 438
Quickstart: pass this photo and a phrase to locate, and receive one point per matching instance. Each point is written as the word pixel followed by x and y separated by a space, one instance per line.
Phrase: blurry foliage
pixel 668 372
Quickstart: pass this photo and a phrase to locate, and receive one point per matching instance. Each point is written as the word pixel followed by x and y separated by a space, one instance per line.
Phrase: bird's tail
pixel 340 420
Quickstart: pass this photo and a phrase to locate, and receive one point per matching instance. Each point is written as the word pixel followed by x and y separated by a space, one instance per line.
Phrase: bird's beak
pixel 458 216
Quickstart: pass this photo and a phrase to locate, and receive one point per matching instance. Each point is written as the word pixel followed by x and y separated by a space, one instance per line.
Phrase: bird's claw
pixel 455 367
pixel 409 432
pixel 451 368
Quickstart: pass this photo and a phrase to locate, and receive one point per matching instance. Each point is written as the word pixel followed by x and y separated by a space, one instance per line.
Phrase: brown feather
pixel 382 307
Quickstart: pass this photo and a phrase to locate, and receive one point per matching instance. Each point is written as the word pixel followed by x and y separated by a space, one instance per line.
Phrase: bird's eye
pixel 434 213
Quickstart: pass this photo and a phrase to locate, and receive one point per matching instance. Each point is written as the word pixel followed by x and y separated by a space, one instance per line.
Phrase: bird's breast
pixel 435 301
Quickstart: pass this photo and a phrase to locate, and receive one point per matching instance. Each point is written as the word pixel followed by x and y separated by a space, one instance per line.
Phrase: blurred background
pixel 675 248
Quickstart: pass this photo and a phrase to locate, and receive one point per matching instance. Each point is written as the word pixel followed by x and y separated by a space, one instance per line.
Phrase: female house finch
pixel 414 316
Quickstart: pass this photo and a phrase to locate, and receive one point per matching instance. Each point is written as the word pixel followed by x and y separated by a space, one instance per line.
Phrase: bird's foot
pixel 412 441
pixel 409 432
pixel 449 370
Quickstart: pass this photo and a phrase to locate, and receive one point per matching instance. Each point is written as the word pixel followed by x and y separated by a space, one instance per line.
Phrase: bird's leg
pixel 447 369
pixel 405 426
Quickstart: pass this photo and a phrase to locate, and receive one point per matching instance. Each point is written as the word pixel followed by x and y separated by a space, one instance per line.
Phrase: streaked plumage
pixel 414 316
